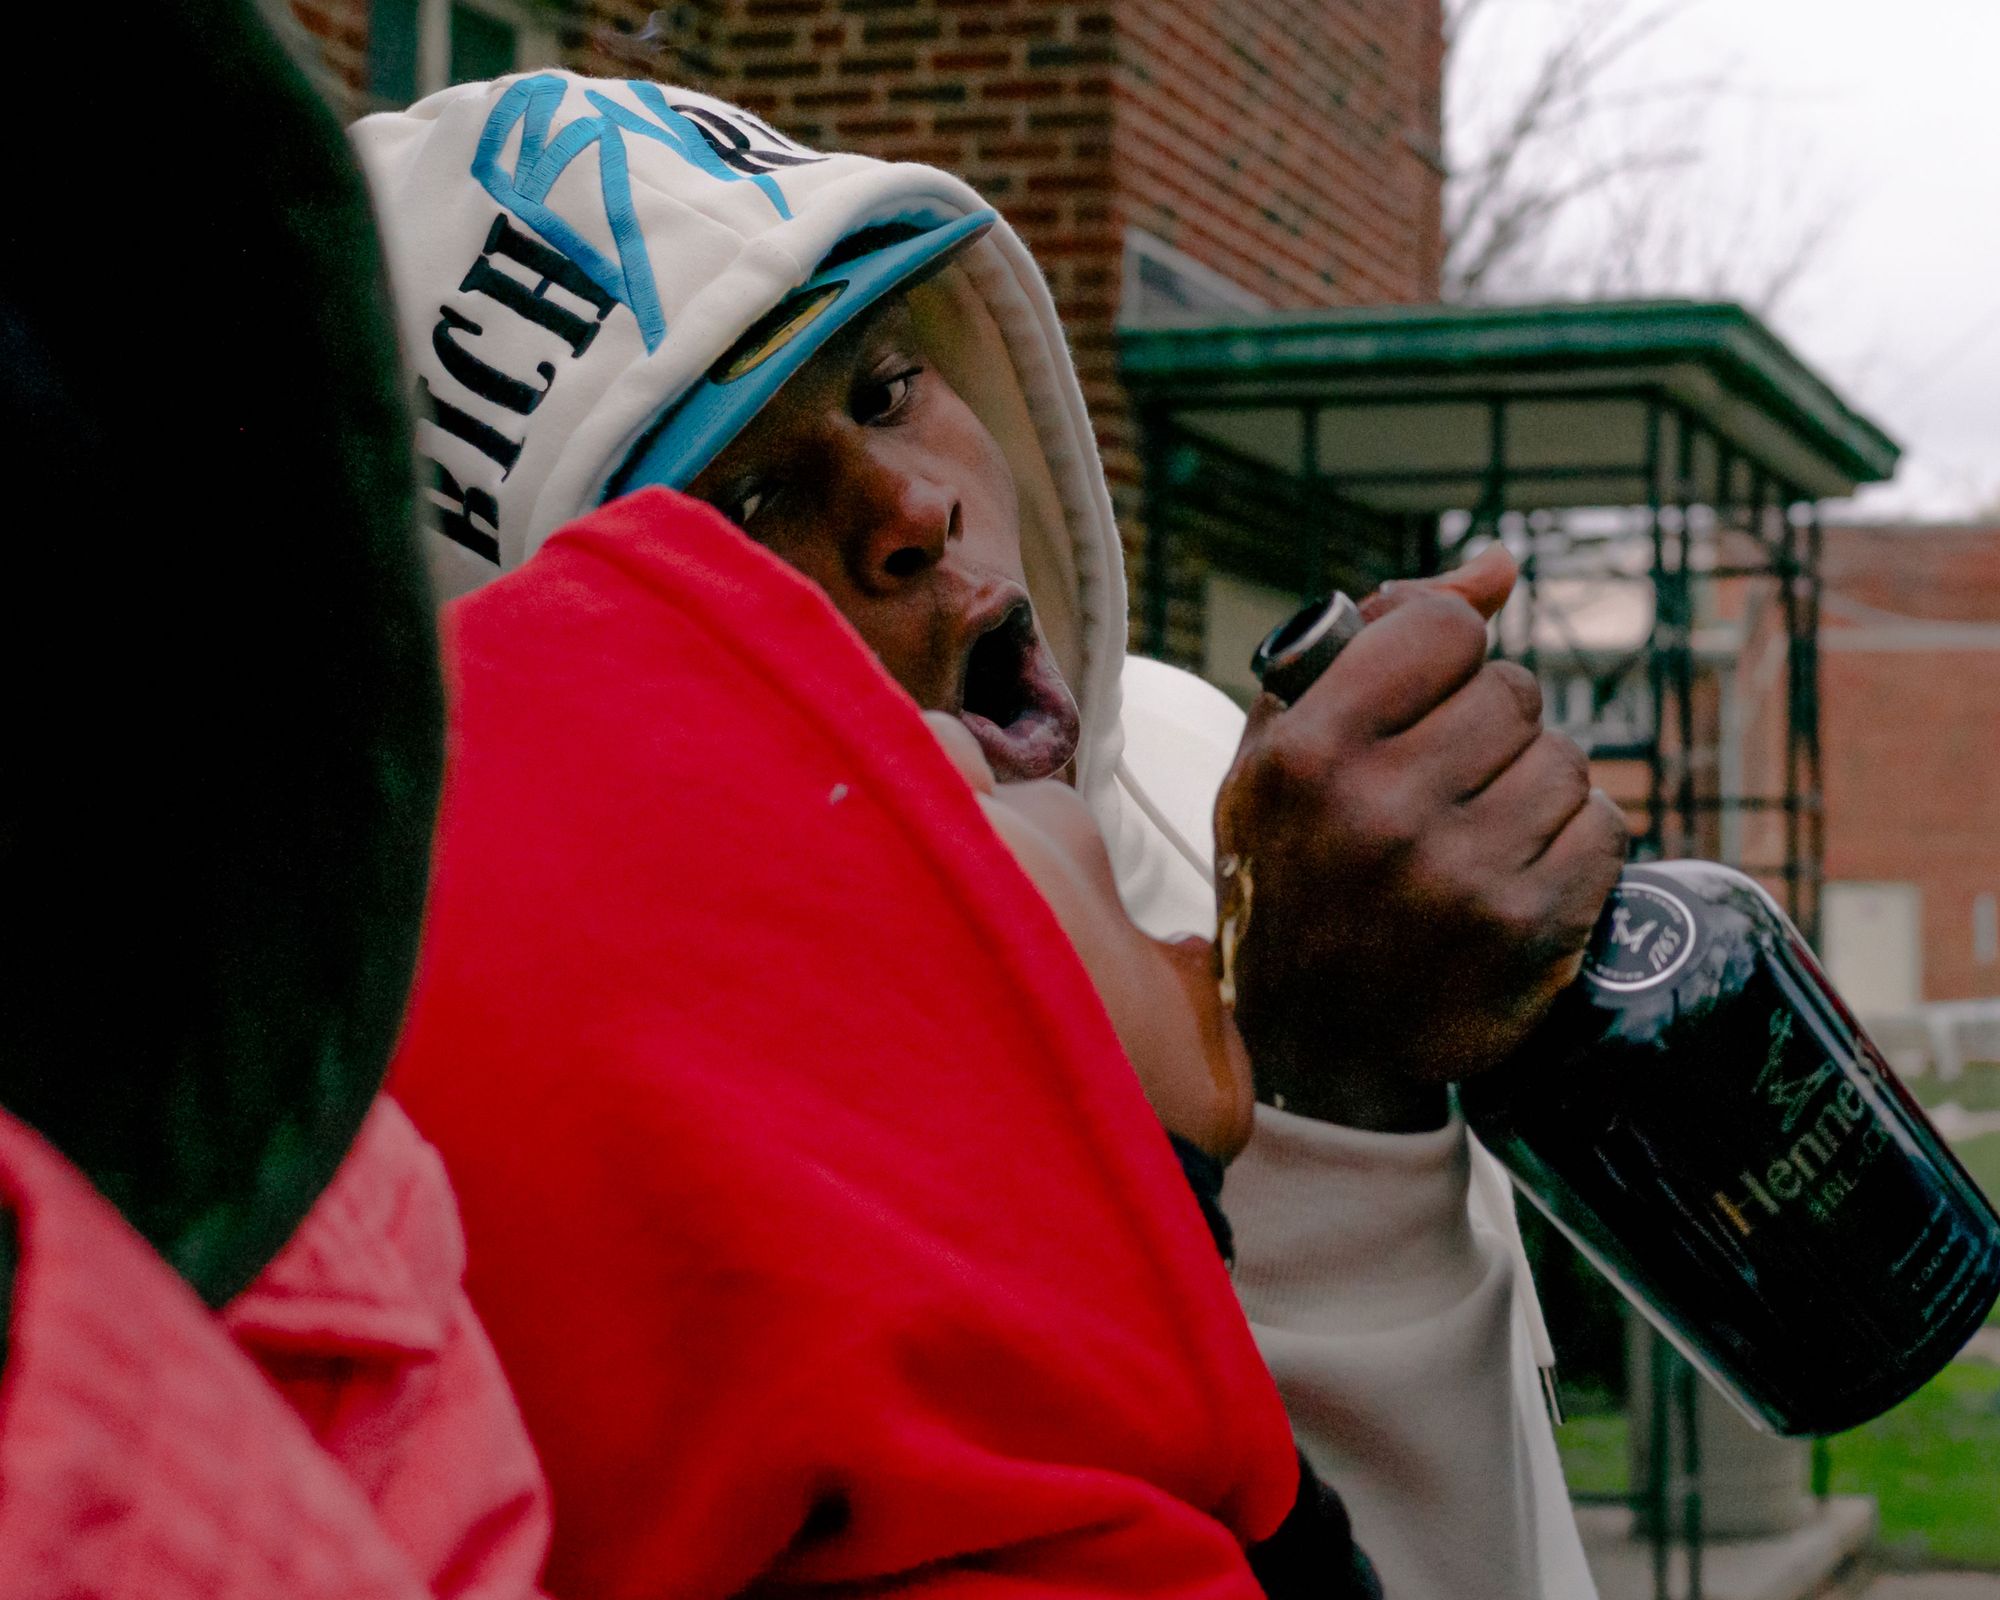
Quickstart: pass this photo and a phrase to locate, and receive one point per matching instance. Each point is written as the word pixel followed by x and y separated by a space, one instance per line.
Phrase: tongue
pixel 1036 744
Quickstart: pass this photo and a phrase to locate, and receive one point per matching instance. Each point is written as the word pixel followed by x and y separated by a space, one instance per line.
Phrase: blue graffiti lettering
pixel 712 145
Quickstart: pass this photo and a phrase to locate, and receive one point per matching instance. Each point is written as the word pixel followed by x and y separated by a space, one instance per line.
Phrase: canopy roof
pixel 1436 408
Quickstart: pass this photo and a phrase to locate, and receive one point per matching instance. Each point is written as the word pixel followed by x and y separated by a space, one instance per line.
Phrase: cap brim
pixel 696 427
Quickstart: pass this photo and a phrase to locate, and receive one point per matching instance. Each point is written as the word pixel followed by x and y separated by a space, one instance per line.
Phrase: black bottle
pixel 1701 1114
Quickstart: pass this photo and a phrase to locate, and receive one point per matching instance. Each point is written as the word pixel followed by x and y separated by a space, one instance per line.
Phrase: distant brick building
pixel 1910 687
pixel 1157 155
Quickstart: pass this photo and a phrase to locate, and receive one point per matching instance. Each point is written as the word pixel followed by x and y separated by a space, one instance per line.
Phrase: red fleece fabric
pixel 812 1206
pixel 142 1456
pixel 363 1324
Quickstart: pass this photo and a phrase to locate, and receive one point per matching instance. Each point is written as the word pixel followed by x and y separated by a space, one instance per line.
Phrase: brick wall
pixel 339 28
pixel 1291 147
pixel 1911 729
pixel 602 37
pixel 1015 96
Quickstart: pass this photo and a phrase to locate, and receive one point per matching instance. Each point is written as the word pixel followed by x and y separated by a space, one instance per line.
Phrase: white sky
pixel 1882 120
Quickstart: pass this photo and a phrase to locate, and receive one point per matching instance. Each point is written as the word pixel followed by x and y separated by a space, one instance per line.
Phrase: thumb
pixel 1483 583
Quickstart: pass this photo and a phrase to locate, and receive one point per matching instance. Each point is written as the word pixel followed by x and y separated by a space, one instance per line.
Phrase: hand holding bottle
pixel 1425 862
pixel 1697 1109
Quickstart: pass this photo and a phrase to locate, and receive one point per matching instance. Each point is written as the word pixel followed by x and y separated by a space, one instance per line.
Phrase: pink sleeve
pixel 363 1324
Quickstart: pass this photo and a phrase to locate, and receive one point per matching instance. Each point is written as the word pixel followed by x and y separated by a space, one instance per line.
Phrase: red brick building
pixel 1910 687
pixel 1157 155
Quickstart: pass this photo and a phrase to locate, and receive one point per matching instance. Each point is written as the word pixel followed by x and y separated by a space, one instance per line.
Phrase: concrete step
pixel 1789 1566
pixel 1934 1586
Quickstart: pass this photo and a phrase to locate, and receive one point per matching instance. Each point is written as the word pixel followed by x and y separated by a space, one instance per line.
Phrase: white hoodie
pixel 568 256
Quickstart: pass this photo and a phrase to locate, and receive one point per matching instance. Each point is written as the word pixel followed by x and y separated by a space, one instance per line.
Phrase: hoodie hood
pixel 570 255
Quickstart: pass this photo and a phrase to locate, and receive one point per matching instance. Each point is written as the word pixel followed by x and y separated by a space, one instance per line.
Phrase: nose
pixel 901 521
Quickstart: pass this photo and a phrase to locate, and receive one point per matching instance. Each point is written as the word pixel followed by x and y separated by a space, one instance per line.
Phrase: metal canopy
pixel 1654 466
pixel 1446 407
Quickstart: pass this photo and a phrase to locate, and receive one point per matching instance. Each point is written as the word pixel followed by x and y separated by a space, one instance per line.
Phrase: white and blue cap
pixel 599 282
pixel 861 271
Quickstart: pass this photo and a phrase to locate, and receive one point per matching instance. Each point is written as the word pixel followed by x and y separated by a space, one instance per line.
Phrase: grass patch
pixel 1982 1159
pixel 1594 1453
pixel 1977 1088
pixel 1933 1465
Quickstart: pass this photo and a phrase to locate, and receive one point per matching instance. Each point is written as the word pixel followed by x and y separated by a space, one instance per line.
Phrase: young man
pixel 611 285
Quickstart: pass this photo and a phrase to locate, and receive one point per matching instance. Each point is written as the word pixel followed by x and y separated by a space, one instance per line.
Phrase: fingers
pixel 1521 812
pixel 1262 710
pixel 1559 843
pixel 1480 732
pixel 1582 863
pixel 1398 669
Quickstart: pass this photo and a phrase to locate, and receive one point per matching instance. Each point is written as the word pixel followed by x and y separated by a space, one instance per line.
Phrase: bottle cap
pixel 1299 649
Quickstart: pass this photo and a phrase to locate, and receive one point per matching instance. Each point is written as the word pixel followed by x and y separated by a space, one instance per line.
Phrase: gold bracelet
pixel 1233 919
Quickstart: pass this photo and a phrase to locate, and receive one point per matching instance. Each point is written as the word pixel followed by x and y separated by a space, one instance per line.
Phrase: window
pixel 1161 283
pixel 1606 710
pixel 416 47
pixel 1873 939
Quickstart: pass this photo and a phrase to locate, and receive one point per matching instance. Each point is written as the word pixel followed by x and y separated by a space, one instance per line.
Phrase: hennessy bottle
pixel 1700 1113
pixel 1703 1117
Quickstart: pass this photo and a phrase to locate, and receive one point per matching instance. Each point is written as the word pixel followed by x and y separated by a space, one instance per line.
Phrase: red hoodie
pixel 816 1215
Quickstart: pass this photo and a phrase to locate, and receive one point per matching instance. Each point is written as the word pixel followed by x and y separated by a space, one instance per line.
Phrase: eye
pixel 882 399
pixel 744 504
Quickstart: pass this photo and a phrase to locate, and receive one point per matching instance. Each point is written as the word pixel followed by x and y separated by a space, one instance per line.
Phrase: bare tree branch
pixel 1584 143
pixel 1506 232
pixel 1560 97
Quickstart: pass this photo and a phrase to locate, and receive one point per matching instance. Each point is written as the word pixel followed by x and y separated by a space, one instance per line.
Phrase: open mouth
pixel 1015 701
